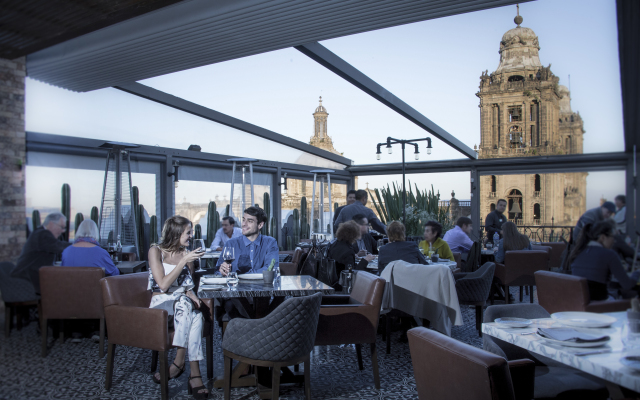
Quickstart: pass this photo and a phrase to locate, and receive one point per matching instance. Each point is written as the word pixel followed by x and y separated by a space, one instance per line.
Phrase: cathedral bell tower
pixel 320 138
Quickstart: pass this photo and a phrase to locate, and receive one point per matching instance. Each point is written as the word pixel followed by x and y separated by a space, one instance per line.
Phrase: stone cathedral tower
pixel 524 112
pixel 320 138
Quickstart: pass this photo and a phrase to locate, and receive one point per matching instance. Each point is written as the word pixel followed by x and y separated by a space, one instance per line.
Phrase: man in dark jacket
pixel 351 198
pixel 366 243
pixel 495 219
pixel 41 249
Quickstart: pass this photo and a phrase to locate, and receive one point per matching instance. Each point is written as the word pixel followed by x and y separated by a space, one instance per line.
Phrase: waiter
pixel 495 219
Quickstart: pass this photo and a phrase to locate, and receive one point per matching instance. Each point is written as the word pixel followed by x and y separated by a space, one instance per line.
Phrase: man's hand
pixel 362 253
pixel 219 249
pixel 225 267
pixel 370 257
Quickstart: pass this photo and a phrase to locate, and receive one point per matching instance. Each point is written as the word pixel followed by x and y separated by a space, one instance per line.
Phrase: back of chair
pixel 368 289
pixel 522 264
pixel 543 248
pixel 297 255
pixel 555 258
pixel 561 292
pixel 458 259
pixel 473 259
pixel 475 286
pixel 71 292
pixel 287 333
pixel 126 290
pixel 288 268
pixel 15 290
pixel 445 368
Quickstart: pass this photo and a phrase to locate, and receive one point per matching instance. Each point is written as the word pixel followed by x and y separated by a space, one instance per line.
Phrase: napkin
pixel 569 335
pixel 213 281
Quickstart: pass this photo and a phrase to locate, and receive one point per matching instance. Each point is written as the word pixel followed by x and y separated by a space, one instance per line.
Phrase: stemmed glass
pixel 228 255
pixel 199 243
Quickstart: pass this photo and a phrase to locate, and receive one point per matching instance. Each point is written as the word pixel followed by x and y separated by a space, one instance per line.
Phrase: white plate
pixel 581 319
pixel 510 322
pixel 250 276
pixel 632 362
pixel 213 281
pixel 573 344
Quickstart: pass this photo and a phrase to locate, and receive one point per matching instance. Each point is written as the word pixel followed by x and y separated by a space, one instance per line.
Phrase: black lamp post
pixel 391 141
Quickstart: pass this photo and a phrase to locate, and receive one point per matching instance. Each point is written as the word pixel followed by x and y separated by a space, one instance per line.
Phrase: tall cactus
pixel 273 228
pixel 66 209
pixel 197 232
pixel 78 221
pixel 303 219
pixel 35 219
pixel 296 226
pixel 289 245
pixel 213 222
pixel 153 229
pixel 226 210
pixel 267 210
pixel 140 221
pixel 95 215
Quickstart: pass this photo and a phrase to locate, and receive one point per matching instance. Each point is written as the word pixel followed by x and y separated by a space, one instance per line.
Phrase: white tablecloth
pixel 424 291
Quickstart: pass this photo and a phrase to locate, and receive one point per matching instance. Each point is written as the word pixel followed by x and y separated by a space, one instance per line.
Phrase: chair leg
pixel 43 335
pixel 164 374
pixel 296 368
pixel 227 378
pixel 101 337
pixel 154 360
pixel 374 363
pixel 275 382
pixel 307 378
pixel 520 294
pixel 479 320
pixel 111 354
pixel 209 349
pixel 506 294
pixel 530 294
pixel 61 323
pixel 19 310
pixel 388 318
pixel 359 354
pixel 7 319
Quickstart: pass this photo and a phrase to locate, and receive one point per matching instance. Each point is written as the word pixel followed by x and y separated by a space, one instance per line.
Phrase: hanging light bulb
pixel 378 156
pixel 175 184
pixel 428 150
pixel 389 149
pixel 417 155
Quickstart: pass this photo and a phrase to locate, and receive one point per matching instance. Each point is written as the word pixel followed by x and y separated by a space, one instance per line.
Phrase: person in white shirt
pixel 228 231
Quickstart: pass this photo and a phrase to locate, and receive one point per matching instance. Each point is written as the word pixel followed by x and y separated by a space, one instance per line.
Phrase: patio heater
pixel 117 217
pixel 241 175
pixel 320 232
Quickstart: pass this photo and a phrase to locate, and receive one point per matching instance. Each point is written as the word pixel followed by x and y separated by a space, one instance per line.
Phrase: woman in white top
pixel 170 281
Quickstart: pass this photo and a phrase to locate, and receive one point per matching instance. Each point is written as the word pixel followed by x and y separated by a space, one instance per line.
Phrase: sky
pixel 434 66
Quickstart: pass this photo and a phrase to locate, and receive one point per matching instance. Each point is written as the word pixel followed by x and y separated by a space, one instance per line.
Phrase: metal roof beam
pixel 158 96
pixel 331 61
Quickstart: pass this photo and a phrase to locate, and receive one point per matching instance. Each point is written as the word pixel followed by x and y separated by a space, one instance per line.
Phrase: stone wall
pixel 12 159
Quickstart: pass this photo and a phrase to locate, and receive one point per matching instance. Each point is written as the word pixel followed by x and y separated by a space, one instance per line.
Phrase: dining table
pixel 604 362
pixel 130 267
pixel 255 298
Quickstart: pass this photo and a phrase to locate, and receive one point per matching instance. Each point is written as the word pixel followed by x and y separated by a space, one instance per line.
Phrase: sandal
pixel 180 371
pixel 196 391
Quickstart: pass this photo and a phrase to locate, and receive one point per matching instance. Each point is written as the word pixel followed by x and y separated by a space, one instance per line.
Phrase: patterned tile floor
pixel 72 370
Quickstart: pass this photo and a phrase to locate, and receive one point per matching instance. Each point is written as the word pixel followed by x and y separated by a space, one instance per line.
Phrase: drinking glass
pixel 380 243
pixel 199 243
pixel 232 279
pixel 631 334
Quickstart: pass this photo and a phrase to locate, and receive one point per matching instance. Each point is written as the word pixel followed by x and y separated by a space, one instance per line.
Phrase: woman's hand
pixel 369 257
pixel 196 301
pixel 192 256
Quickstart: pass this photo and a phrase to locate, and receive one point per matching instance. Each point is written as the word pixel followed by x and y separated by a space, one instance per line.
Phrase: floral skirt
pixel 187 321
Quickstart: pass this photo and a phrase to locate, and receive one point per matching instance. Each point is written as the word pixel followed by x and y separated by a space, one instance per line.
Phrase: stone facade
pixel 524 112
pixel 13 231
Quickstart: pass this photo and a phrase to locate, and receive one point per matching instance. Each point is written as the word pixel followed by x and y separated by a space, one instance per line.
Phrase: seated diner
pixel 511 240
pixel 86 250
pixel 398 248
pixel 342 250
pixel 433 242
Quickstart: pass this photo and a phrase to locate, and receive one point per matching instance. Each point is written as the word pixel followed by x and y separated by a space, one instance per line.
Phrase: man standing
pixel 253 251
pixel 228 231
pixel 366 243
pixel 351 198
pixel 495 219
pixel 621 214
pixel 458 237
pixel 592 216
pixel 358 207
pixel 41 249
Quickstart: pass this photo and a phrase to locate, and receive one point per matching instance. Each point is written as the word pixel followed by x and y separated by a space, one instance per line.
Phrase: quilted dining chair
pixel 473 289
pixel 284 337
pixel 16 294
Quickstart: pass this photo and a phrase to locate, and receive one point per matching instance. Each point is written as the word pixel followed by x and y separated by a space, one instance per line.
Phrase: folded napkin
pixel 569 335
pixel 213 281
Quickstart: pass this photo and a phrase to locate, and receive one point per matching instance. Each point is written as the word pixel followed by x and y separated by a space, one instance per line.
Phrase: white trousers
pixel 187 322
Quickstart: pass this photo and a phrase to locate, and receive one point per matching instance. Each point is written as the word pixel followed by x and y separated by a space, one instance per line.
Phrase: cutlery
pixel 588 353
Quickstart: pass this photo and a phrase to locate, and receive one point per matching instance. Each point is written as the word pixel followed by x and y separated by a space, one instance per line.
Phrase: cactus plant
pixel 267 210
pixel 153 229
pixel 35 219
pixel 303 219
pixel 289 243
pixel 226 210
pixel 197 232
pixel 110 237
pixel 95 215
pixel 66 208
pixel 213 222
pixel 78 221
pixel 272 227
pixel 316 225
pixel 296 226
pixel 140 221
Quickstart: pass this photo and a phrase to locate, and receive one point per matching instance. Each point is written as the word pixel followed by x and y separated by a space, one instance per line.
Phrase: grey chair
pixel 553 379
pixel 17 294
pixel 473 289
pixel 284 337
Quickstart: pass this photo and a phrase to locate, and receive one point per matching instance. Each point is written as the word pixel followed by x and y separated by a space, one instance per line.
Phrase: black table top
pixel 298 285
pixel 129 267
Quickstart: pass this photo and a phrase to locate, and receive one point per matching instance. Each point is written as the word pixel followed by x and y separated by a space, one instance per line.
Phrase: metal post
pixel 118 154
pixel 233 181
pixel 475 201
pixel 330 232
pixel 404 191
pixel 277 206
pixel 313 202
pixel 251 180
pixel 244 191
pixel 321 207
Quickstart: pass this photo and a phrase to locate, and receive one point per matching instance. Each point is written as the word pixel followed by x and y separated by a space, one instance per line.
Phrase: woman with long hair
pixel 342 249
pixel 511 240
pixel 592 258
pixel 170 281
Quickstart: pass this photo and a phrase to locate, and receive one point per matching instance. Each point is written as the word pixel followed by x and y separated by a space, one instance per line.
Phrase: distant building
pixel 524 112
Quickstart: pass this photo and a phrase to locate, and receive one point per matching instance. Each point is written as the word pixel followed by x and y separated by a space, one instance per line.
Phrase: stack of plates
pixel 578 319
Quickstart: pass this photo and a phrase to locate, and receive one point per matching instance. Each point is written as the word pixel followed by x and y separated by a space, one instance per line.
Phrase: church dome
pixel 321 108
pixel 519 49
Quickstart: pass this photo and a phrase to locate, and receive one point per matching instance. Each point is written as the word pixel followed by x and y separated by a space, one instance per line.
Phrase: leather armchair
pixel 445 368
pixel 561 292
pixel 291 268
pixel 132 323
pixel 347 319
pixel 555 258
pixel 519 267
pixel 70 293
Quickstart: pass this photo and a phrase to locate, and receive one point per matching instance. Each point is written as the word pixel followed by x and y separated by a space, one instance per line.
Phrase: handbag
pixel 317 264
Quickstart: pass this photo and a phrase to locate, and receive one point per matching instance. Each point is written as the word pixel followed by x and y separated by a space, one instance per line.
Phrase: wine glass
pixel 380 243
pixel 228 255
pixel 232 279
pixel 199 244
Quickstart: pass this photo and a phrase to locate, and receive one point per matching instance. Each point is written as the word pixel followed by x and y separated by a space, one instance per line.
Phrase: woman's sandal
pixel 180 371
pixel 195 391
